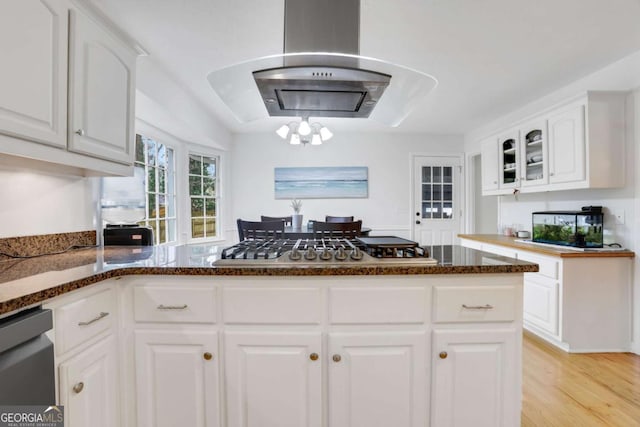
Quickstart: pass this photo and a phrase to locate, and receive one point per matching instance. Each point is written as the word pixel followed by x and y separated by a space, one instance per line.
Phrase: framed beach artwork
pixel 322 182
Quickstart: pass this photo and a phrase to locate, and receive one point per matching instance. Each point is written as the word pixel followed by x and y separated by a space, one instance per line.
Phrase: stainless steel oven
pixel 27 371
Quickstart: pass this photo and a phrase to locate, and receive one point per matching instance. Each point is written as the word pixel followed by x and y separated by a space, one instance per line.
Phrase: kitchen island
pixel 167 339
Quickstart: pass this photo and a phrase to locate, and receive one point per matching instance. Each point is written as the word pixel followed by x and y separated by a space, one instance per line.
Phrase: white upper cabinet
pixel 578 145
pixel 489 164
pixel 101 92
pixel 67 86
pixel 33 87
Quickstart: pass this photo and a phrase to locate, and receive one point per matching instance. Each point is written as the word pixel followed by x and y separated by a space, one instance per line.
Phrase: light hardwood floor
pixel 565 390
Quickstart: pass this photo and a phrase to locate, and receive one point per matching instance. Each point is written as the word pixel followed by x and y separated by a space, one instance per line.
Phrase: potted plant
pixel 296 218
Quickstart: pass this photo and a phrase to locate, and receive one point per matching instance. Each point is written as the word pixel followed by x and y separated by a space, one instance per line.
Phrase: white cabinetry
pixel 489 164
pixel 33 87
pixel 101 92
pixel 474 377
pixel 177 378
pixel 378 379
pixel 273 379
pixel 67 88
pixel 580 144
pixel 86 346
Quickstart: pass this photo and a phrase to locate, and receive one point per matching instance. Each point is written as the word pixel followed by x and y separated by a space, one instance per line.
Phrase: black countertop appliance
pixel 127 235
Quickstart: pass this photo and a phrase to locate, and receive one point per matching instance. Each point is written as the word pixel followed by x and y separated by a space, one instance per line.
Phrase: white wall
pixel 40 198
pixel 388 157
pixel 621 75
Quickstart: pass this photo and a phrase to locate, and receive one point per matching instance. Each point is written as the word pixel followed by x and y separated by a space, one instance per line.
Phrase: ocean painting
pixel 322 182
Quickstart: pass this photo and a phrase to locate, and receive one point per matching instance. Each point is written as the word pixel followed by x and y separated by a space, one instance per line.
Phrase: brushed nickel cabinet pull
pixel 172 307
pixel 78 387
pixel 478 307
pixel 102 315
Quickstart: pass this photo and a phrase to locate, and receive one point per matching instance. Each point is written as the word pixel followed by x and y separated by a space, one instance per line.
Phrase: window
pixel 203 195
pixel 156 162
pixel 437 192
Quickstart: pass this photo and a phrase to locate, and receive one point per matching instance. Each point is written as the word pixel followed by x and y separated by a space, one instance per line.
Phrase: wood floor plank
pixel 567 389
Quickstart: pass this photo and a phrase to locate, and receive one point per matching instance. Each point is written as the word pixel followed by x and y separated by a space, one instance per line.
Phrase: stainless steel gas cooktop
pixel 366 251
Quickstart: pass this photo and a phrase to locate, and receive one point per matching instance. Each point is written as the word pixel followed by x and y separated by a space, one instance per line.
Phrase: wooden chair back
pixel 347 230
pixel 287 219
pixel 329 218
pixel 260 229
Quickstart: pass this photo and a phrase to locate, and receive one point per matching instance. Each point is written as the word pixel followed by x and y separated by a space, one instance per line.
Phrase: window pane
pixel 162 228
pixel 209 167
pixel 210 227
pixel 447 194
pixel 447 174
pixel 437 192
pixel 151 203
pixel 195 165
pixel 139 149
pixel 437 174
pixel 162 206
pixel 171 206
pixel 436 210
pixel 197 228
pixel 447 210
pixel 195 185
pixel 209 185
pixel 171 230
pixel 162 187
pixel 162 156
pixel 151 179
pixel 197 206
pixel 154 226
pixel 210 207
pixel 426 210
pixel 426 192
pixel 426 174
pixel 151 151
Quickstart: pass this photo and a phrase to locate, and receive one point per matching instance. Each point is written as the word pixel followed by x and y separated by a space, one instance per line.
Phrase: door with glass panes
pixel 437 211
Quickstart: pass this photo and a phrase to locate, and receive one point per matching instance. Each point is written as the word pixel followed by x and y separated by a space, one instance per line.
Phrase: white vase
pixel 296 221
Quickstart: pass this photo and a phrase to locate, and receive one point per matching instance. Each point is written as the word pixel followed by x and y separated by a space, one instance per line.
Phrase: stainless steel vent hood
pixel 321 72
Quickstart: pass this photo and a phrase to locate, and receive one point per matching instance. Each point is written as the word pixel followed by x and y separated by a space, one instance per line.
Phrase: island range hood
pixel 321 72
pixel 323 86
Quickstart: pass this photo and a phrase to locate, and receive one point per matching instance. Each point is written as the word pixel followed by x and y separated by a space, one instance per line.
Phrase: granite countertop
pixel 513 242
pixel 24 282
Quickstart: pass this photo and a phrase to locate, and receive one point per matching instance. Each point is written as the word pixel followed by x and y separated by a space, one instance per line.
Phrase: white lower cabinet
pixel 89 386
pixel 475 378
pixel 541 302
pixel 177 378
pixel 273 379
pixel 377 379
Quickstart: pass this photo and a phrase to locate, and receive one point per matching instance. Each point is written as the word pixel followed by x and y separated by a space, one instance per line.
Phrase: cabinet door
pixel 475 382
pixel 509 149
pixel 89 386
pixel 541 302
pixel 101 92
pixel 33 87
pixel 567 146
pixel 534 163
pixel 177 378
pixel 489 163
pixel 378 379
pixel 273 379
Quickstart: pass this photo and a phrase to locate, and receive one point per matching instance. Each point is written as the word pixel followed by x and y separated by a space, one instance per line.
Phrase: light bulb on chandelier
pixel 304 132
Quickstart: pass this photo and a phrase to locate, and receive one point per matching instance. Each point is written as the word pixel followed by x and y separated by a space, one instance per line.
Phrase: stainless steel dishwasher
pixel 27 372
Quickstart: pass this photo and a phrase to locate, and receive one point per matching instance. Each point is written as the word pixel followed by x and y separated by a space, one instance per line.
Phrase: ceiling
pixel 489 56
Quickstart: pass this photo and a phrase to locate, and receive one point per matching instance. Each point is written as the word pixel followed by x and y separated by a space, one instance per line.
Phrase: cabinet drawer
pixel 548 266
pixel 174 304
pixel 273 305
pixel 380 305
pixel 474 303
pixel 84 319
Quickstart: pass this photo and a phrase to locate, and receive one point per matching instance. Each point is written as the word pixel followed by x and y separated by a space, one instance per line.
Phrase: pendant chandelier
pixel 304 133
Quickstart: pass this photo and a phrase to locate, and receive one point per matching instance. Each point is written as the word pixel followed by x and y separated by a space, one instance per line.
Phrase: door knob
pixel 418 222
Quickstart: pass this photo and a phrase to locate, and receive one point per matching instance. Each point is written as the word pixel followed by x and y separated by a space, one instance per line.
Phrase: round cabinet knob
pixel 325 255
pixel 78 387
pixel 310 254
pixel 80 132
pixel 295 254
pixel 341 254
pixel 313 356
pixel 443 355
pixel 207 356
pixel 336 358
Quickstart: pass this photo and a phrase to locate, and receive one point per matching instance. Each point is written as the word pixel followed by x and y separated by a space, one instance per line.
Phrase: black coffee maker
pixel 127 235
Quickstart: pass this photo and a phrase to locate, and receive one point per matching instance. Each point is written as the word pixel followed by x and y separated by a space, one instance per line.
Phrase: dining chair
pixel 329 218
pixel 260 229
pixel 348 230
pixel 287 219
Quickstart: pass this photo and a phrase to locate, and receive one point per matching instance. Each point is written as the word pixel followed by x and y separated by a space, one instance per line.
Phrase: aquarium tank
pixel 580 229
